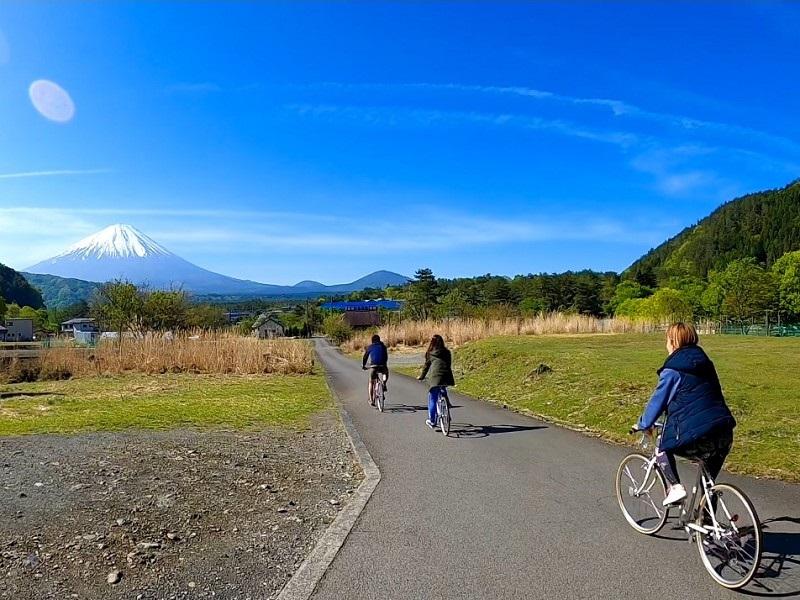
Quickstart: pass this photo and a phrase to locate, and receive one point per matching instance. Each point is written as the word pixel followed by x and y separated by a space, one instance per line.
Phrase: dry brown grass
pixel 199 353
pixel 460 331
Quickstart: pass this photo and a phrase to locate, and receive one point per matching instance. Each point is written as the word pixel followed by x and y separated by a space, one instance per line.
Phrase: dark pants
pixel 383 370
pixel 711 449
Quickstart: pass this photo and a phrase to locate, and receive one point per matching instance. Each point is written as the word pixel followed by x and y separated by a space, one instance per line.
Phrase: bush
pixel 335 328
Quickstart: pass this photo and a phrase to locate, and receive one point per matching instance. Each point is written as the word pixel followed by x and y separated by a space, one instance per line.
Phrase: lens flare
pixel 52 101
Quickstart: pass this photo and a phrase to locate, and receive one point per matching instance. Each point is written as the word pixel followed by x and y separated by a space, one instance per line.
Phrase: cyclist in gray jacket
pixel 439 368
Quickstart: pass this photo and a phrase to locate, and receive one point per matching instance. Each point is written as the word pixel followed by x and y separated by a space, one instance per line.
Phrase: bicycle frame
pixel 689 510
pixel 373 382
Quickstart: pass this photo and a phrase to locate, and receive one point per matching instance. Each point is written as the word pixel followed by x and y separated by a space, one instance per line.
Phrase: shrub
pixel 336 329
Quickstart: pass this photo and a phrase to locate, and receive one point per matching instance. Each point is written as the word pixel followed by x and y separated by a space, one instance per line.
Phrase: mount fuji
pixel 123 252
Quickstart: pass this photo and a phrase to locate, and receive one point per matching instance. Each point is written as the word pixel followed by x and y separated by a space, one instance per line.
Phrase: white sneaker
pixel 676 493
pixel 429 423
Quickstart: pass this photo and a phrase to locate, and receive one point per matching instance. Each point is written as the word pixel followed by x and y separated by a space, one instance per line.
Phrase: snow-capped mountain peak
pixel 122 252
pixel 116 241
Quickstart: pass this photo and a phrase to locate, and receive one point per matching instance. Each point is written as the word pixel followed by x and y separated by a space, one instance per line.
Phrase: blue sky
pixel 289 141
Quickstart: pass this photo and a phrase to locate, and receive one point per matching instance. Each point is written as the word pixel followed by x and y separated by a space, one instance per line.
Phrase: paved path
pixel 515 508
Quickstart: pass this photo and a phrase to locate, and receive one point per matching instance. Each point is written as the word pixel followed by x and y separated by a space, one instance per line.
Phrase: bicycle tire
pixel 720 490
pixel 444 415
pixel 628 473
pixel 380 394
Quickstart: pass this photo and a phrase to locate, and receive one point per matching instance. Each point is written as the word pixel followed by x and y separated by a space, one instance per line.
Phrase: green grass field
pixel 602 382
pixel 161 402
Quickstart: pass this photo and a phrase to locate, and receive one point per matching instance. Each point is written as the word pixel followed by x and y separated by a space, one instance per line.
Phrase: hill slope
pixel 15 288
pixel 764 225
pixel 60 292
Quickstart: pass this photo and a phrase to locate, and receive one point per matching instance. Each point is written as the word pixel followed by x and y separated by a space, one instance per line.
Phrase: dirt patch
pixel 181 514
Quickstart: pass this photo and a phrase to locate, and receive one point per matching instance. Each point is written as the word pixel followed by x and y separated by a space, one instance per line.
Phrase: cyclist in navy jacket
pixel 377 356
pixel 698 424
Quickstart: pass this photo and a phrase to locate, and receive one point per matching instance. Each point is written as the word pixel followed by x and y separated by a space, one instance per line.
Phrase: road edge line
pixel 311 571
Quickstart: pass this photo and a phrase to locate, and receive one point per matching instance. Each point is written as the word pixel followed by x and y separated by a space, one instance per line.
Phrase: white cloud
pixel 239 234
pixel 617 107
pixel 679 171
pixel 452 231
pixel 394 116
pixel 33 235
pixel 54 173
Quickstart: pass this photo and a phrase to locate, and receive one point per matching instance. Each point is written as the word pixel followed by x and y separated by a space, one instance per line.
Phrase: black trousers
pixel 712 449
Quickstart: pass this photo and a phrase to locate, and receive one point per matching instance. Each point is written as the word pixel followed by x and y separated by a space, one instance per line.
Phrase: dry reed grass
pixel 460 331
pixel 199 353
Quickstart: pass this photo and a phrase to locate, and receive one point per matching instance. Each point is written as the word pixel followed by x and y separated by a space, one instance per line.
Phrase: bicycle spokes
pixel 730 545
pixel 640 492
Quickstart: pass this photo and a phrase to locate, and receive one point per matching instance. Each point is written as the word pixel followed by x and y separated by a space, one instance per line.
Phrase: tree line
pixel 121 306
pixel 741 292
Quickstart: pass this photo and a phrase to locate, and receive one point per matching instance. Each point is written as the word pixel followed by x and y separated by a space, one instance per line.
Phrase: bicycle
pixel 378 390
pixel 443 411
pixel 718 517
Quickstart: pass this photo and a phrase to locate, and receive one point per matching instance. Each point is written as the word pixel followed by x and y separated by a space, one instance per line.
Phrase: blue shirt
pixel 668 383
pixel 376 354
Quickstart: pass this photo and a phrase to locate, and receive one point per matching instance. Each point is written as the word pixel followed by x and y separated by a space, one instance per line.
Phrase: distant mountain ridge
pixel 123 252
pixel 763 225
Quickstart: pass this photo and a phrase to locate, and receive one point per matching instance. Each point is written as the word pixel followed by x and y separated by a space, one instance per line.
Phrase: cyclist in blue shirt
pixel 377 356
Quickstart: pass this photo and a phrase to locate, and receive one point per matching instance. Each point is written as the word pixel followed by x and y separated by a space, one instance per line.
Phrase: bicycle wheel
pixel 732 553
pixel 640 500
pixel 444 415
pixel 380 394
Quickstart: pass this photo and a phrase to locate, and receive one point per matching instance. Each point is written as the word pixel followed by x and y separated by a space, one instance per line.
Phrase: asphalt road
pixel 517 508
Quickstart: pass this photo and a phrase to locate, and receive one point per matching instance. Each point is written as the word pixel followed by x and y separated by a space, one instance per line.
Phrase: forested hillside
pixel 763 226
pixel 61 292
pixel 14 288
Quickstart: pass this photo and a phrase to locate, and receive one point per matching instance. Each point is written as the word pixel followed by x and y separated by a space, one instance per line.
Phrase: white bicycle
pixel 718 517
pixel 378 390
pixel 443 411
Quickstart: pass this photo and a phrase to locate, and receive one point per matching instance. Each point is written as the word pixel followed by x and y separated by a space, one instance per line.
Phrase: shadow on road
pixel 468 430
pixel 405 408
pixel 779 576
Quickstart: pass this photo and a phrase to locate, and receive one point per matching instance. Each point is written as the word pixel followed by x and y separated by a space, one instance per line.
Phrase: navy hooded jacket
pixel 690 393
pixel 376 354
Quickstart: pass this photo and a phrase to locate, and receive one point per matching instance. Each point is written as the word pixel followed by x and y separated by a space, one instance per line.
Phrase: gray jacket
pixel 438 367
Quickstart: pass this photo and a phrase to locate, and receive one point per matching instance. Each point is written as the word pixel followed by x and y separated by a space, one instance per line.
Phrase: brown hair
pixel 436 342
pixel 682 334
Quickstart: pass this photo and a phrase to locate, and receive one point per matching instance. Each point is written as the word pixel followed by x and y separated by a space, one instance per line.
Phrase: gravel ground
pixel 180 514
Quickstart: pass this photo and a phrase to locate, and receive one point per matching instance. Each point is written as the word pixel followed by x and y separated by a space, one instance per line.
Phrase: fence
pixel 759 329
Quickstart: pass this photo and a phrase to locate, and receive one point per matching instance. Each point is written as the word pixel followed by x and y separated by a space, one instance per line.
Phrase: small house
pixel 3 332
pixel 19 330
pixel 267 327
pixel 363 313
pixel 362 318
pixel 83 330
